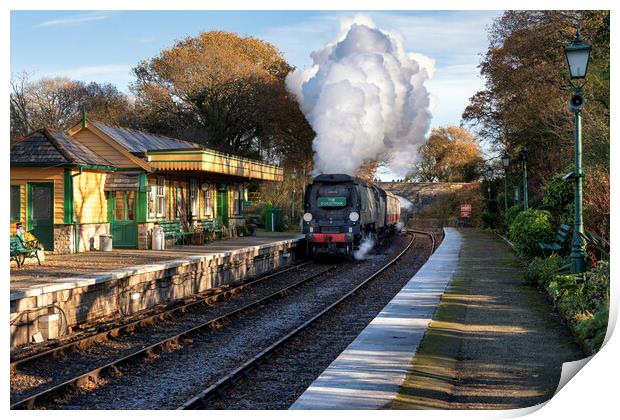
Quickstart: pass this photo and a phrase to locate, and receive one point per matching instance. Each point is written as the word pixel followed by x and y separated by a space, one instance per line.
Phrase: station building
pixel 68 188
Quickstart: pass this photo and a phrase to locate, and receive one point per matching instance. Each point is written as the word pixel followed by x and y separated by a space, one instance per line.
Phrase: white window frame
pixel 193 197
pixel 208 202
pixel 238 200
pixel 160 207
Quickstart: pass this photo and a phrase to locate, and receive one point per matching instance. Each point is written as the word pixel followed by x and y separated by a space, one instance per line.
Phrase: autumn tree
pixel 225 91
pixel 55 103
pixel 451 154
pixel 524 102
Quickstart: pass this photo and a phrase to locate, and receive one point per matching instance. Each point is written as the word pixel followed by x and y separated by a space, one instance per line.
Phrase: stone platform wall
pixel 93 298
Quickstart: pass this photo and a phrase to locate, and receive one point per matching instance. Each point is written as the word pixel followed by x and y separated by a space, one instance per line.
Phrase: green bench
pixel 20 251
pixel 174 229
pixel 209 227
pixel 560 239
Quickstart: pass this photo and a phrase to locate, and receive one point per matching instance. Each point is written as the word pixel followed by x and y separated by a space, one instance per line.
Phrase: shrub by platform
pixel 583 300
pixel 528 229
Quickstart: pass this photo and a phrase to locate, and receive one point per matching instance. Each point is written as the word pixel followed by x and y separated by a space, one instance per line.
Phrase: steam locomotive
pixel 341 210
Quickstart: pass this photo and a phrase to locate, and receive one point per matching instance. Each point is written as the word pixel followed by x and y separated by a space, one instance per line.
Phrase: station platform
pixel 369 372
pixel 494 343
pixel 84 287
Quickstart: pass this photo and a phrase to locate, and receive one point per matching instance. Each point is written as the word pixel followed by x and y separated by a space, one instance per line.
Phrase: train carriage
pixel 340 210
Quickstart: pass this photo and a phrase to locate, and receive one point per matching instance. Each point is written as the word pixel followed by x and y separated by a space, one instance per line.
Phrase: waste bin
pixel 274 219
pixel 158 242
pixel 105 242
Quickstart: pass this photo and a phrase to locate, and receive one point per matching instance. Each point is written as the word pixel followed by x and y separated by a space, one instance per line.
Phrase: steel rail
pixel 147 321
pixel 201 399
pixel 93 375
pixel 425 233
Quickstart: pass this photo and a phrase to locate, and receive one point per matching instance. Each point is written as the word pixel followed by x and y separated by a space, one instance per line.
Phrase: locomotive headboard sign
pixel 331 201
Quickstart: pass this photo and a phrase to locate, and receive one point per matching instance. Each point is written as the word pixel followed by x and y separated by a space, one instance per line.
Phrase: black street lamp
pixel 506 164
pixel 523 159
pixel 577 58
pixel 293 176
pixel 489 173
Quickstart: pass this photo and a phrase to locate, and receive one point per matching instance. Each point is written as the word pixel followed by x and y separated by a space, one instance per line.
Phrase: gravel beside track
pixel 168 378
pixel 284 377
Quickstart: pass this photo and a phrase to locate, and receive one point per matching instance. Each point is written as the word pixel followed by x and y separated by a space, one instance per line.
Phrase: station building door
pixel 41 212
pixel 222 204
pixel 122 218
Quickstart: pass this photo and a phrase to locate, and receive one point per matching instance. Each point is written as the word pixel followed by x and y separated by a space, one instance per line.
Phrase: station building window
pixel 15 202
pixel 193 196
pixel 238 200
pixel 208 200
pixel 180 203
pixel 157 198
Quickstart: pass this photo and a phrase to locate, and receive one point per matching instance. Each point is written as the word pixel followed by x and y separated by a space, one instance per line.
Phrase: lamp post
pixel 523 159
pixel 577 57
pixel 293 176
pixel 489 172
pixel 506 163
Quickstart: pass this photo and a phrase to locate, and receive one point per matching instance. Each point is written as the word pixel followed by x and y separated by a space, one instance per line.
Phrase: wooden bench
pixel 209 229
pixel 20 251
pixel 174 229
pixel 560 239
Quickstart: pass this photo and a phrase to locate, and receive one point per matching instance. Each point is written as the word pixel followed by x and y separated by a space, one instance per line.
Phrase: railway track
pixel 51 395
pixel 146 320
pixel 92 375
pixel 219 387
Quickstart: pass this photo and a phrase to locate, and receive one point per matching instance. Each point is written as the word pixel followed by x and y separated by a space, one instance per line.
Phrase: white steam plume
pixel 365 99
pixel 404 203
pixel 365 247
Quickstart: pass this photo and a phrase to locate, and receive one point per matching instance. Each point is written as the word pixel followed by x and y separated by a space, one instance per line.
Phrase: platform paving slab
pixel 494 343
pixel 71 286
pixel 368 374
pixel 61 272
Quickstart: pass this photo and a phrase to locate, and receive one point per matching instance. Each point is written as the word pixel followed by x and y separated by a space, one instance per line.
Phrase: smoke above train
pixel 365 98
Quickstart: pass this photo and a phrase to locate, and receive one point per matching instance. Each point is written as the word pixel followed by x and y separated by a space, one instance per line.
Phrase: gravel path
pixel 167 379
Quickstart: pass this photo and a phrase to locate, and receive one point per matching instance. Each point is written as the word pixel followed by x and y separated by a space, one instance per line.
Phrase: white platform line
pixel 369 372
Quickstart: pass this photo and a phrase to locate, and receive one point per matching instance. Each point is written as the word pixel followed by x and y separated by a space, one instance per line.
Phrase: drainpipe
pixel 73 222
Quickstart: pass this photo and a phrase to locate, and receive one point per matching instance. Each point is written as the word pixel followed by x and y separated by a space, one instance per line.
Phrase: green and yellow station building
pixel 69 188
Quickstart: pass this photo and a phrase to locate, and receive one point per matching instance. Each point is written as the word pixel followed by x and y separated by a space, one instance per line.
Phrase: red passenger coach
pixel 393 209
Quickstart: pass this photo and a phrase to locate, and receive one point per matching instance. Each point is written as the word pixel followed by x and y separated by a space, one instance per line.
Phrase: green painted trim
pixel 68 216
pixel 97 167
pixel 19 203
pixel 142 200
pixel 80 224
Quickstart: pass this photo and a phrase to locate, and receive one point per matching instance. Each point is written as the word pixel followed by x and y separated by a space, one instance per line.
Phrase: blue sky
pixel 103 46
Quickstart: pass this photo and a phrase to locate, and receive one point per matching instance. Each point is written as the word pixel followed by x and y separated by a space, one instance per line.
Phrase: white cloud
pixel 75 19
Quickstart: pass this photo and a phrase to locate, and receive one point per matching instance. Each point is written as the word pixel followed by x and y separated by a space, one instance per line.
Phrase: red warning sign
pixel 466 211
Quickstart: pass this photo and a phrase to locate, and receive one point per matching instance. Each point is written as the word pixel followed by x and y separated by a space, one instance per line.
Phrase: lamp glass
pixel 506 161
pixel 577 59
